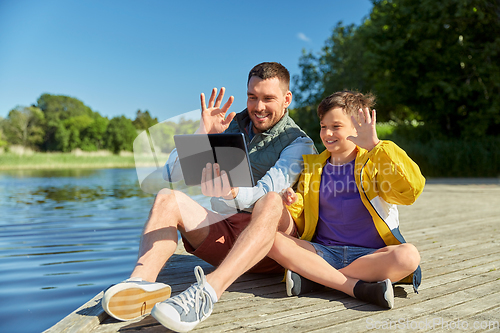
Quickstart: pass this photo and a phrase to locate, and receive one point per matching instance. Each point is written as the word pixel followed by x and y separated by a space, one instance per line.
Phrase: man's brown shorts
pixel 220 240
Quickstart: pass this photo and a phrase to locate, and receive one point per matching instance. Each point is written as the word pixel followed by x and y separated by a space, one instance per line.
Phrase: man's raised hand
pixel 213 117
pixel 367 132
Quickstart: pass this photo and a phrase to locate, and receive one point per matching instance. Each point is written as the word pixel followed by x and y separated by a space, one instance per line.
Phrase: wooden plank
pixel 461 277
pixel 273 314
pixel 416 311
pixel 84 319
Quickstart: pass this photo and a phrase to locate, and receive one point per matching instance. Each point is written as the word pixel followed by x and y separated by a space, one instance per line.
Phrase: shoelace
pixel 194 293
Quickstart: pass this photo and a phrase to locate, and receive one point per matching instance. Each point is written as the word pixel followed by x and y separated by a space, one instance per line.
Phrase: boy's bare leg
pixel 393 262
pixel 159 238
pixel 300 256
pixel 269 216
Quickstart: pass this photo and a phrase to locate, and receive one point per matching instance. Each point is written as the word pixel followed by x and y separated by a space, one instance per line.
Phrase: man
pixel 235 243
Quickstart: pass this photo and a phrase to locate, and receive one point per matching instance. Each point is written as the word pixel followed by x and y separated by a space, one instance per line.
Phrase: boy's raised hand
pixel 213 116
pixel 367 132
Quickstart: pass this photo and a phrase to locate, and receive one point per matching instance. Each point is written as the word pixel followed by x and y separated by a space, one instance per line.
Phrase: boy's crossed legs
pixel 393 262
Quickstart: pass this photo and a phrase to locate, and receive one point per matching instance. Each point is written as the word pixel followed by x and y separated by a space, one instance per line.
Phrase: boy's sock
pixel 379 293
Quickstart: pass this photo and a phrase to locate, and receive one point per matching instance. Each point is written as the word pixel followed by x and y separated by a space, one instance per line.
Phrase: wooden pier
pixel 454 224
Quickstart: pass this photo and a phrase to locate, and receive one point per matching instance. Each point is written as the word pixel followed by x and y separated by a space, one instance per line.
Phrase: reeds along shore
pixel 36 160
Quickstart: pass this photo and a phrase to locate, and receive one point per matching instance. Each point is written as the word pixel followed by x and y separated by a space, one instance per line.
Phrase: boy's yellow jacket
pixel 385 177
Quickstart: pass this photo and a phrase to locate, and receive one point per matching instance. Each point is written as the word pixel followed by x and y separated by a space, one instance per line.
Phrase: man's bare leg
pixel 171 211
pixel 269 216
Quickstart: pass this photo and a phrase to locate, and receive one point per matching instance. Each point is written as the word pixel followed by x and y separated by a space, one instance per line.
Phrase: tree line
pixel 63 123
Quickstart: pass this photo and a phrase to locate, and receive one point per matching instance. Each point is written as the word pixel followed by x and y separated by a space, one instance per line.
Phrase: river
pixel 65 235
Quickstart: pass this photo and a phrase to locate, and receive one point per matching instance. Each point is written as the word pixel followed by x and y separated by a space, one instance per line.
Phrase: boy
pixel 346 204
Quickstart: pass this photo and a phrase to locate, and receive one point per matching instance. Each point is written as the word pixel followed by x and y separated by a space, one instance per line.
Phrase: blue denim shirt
pixel 282 175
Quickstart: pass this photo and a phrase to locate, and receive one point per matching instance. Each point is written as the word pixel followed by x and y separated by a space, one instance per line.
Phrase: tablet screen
pixel 228 150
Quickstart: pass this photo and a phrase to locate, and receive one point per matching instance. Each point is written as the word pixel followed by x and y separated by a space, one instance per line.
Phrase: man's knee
pixel 407 257
pixel 166 203
pixel 165 194
pixel 270 199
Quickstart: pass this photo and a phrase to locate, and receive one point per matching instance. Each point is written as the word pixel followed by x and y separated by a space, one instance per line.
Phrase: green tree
pixel 71 124
pixel 339 66
pixel 120 134
pixel 424 60
pixel 3 141
pixel 24 126
pixel 61 133
pixel 440 59
pixel 162 134
pixel 143 120
pixel 92 137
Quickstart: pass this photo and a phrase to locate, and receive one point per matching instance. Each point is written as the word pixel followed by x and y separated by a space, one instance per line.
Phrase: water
pixel 64 237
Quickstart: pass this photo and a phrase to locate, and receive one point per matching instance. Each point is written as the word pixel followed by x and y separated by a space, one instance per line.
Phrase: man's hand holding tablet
pixel 216 183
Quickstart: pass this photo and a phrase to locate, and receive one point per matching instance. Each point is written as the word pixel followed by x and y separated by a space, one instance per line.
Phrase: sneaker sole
pixel 289 283
pixel 133 303
pixel 389 293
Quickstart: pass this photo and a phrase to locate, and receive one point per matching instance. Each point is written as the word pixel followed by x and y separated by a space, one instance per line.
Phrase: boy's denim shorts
pixel 341 256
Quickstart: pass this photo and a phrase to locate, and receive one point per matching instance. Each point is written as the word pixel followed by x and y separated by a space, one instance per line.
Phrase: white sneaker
pixel 183 312
pixel 133 298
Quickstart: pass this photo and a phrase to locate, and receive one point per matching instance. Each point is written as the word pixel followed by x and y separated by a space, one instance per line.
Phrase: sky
pixel 121 56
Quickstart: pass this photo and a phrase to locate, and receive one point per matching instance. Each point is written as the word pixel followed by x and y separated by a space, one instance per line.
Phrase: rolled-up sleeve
pixel 172 171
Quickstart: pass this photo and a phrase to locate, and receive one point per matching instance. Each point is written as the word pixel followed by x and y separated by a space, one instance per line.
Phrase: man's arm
pixel 172 171
pixel 282 175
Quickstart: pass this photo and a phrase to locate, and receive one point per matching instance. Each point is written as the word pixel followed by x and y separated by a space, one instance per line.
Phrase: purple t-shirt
pixel 343 218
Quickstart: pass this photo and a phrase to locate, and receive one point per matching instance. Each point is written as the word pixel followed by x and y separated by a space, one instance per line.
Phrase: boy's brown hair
pixel 349 101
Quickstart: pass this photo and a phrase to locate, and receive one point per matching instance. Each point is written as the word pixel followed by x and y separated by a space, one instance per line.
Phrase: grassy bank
pixel 9 161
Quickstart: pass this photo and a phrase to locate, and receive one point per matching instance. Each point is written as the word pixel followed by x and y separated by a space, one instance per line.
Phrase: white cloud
pixel 303 37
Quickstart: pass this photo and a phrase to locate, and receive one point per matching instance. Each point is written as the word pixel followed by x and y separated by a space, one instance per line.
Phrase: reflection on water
pixel 84 193
pixel 65 235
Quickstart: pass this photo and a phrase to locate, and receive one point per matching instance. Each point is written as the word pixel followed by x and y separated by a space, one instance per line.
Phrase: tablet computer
pixel 228 150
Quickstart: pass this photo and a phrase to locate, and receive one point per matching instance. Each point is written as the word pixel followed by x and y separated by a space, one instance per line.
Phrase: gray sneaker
pixel 183 312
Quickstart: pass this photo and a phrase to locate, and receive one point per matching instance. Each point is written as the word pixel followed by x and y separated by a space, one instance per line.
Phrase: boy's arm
pixel 398 178
pixel 296 209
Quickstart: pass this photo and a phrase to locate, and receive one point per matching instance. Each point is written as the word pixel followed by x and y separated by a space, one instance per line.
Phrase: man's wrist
pixel 234 192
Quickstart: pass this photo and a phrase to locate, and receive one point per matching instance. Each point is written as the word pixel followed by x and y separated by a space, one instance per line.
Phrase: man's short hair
pixel 269 70
pixel 349 101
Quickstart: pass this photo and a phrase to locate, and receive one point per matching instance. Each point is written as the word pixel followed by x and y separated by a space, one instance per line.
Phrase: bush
pixel 455 158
